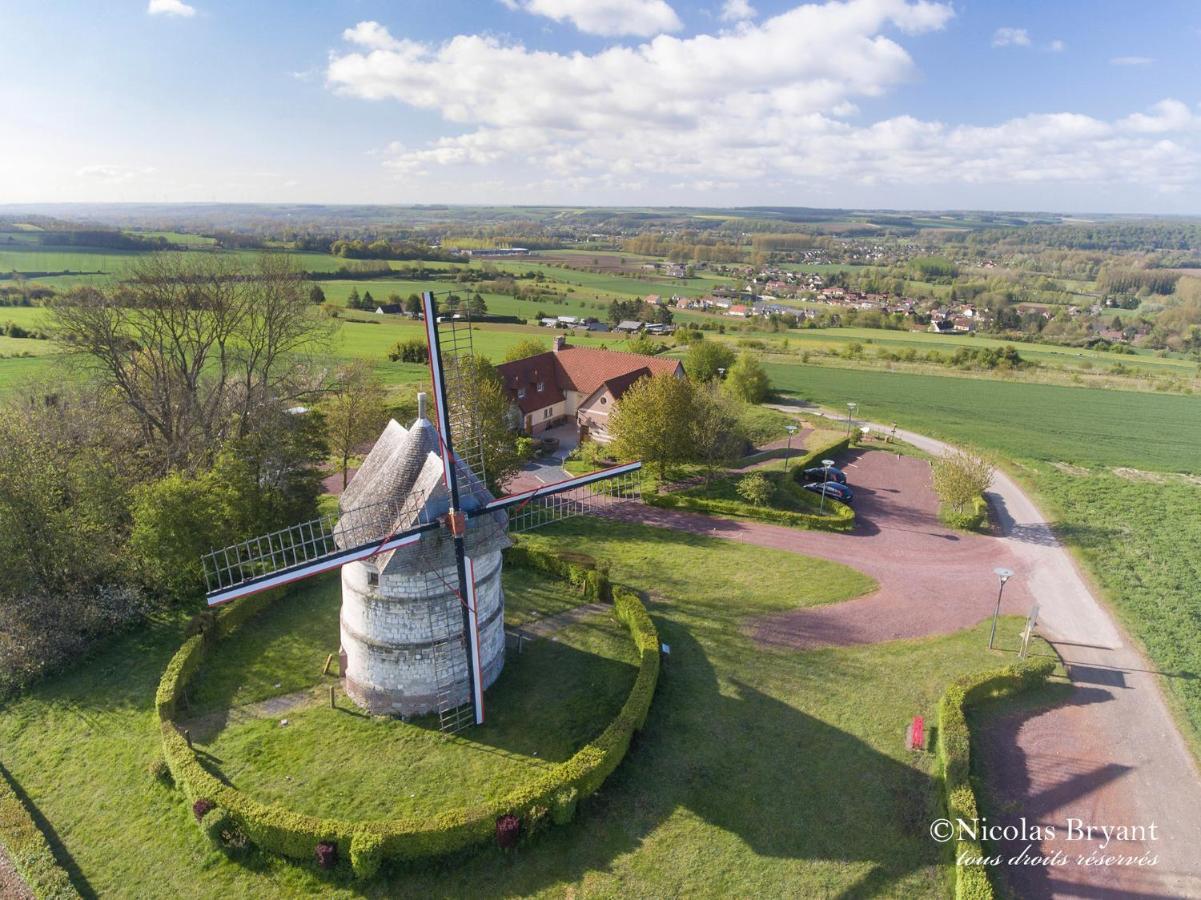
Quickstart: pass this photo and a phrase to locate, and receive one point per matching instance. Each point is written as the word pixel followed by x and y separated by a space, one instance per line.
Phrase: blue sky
pixel 1068 106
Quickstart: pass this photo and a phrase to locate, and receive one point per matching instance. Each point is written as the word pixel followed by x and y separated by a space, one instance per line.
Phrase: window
pixel 521 393
pixel 546 412
pixel 373 579
pixel 540 387
pixel 604 400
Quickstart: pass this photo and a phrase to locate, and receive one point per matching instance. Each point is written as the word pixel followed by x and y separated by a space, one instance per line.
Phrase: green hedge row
pixel 577 570
pixel 839 518
pixel 954 751
pixel 552 795
pixel 816 455
pixel 28 848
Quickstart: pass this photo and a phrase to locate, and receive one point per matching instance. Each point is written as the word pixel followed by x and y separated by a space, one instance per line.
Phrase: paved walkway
pixel 1109 755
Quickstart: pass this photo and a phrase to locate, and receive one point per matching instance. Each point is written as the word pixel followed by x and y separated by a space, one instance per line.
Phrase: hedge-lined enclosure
pixel 224 812
pixel 720 497
pixel 954 752
pixel 28 848
pixel 974 519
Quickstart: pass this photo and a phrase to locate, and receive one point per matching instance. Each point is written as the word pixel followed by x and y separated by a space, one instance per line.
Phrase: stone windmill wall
pixel 401 622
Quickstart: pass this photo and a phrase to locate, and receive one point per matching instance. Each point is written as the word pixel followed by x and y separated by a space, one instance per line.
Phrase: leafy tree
pixel 413 350
pixel 653 421
pixel 412 304
pixel 490 427
pixel 755 489
pixel 316 295
pixel 476 306
pixel 717 430
pixel 354 411
pixel 960 477
pixel 643 344
pixel 705 358
pixel 525 347
pixel 747 380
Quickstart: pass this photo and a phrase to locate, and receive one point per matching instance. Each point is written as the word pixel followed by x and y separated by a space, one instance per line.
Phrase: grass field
pixel 1021 421
pixel 754 775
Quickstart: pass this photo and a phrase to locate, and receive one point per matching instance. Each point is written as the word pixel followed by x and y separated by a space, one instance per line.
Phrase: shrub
pixel 755 489
pixel 28 848
pixel 508 831
pixel 158 771
pixel 411 351
pixel 326 853
pixel 563 805
pixel 202 807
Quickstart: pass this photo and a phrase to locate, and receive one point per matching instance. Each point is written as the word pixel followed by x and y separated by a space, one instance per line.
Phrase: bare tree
pixel 194 347
pixel 354 411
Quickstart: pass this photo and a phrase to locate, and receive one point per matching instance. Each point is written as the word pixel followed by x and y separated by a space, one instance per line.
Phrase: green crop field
pixel 1020 420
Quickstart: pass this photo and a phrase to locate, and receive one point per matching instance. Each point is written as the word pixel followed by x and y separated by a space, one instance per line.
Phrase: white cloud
pixel 606 17
pixel 371 35
pixel 1057 46
pixel 737 11
pixel 763 108
pixel 1011 37
pixel 1131 61
pixel 170 8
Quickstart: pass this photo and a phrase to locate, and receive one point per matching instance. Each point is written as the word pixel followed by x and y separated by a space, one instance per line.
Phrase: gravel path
pixel 12 886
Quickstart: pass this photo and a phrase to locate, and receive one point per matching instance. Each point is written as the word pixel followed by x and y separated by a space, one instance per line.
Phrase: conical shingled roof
pixel 405 487
pixel 393 434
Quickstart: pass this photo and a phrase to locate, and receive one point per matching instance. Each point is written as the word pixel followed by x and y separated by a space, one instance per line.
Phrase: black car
pixel 820 473
pixel 833 490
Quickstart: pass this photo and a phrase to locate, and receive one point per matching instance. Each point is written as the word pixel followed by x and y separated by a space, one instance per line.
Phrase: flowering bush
pixel 327 855
pixel 508 830
pixel 200 807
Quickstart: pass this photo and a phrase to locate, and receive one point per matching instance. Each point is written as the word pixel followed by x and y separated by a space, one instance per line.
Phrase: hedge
pixel 554 793
pixel 954 751
pixel 840 518
pixel 28 848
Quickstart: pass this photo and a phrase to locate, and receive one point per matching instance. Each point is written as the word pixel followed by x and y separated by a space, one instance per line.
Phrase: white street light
pixel 1003 575
pixel 791 429
pixel 826 463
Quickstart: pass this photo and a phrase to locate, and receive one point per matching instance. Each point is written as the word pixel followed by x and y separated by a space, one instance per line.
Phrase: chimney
pixel 421 400
pixel 560 342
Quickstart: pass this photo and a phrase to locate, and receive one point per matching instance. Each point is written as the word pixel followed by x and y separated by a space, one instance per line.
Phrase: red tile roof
pixel 582 369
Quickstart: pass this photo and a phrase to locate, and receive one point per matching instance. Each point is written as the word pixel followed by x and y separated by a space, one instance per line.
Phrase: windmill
pixel 431 521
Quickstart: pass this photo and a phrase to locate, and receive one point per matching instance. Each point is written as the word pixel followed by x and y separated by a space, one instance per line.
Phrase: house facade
pixel 579 385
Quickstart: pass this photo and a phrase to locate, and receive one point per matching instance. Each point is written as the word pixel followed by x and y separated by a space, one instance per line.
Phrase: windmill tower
pixel 419 542
pixel 401 622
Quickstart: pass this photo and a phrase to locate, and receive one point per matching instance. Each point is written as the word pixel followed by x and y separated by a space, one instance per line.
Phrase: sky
pixel 1066 106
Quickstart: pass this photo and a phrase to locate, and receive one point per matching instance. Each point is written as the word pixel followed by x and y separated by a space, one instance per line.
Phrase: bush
pixel 202 807
pixel 954 751
pixel 755 489
pixel 158 771
pixel 326 853
pixel 292 834
pixel 411 351
pixel 975 519
pixel 508 831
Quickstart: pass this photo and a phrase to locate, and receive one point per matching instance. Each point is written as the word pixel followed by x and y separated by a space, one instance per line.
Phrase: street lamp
pixel 1004 575
pixel 721 373
pixel 791 429
pixel 826 463
pixel 851 407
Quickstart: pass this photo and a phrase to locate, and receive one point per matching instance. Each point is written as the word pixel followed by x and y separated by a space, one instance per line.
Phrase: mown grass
pixel 763 773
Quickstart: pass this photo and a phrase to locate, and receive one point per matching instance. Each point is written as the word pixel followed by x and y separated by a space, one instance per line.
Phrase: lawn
pixel 755 775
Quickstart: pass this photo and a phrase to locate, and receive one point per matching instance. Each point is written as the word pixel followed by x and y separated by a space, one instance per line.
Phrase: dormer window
pixel 540 387
pixel 373 579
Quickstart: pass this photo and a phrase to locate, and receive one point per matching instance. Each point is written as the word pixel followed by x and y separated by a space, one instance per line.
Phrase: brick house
pixel 576 384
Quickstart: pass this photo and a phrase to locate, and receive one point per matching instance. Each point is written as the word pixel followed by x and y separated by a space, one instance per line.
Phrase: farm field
pixel 1118 501
pixel 1018 420
pixel 739 741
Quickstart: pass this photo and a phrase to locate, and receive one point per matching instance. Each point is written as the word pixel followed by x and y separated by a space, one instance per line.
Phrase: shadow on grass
pixel 61 854
pixel 786 784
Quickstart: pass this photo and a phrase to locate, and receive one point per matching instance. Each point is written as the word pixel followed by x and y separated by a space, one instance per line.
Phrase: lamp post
pixel 826 463
pixel 851 407
pixel 721 373
pixel 791 429
pixel 1003 575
